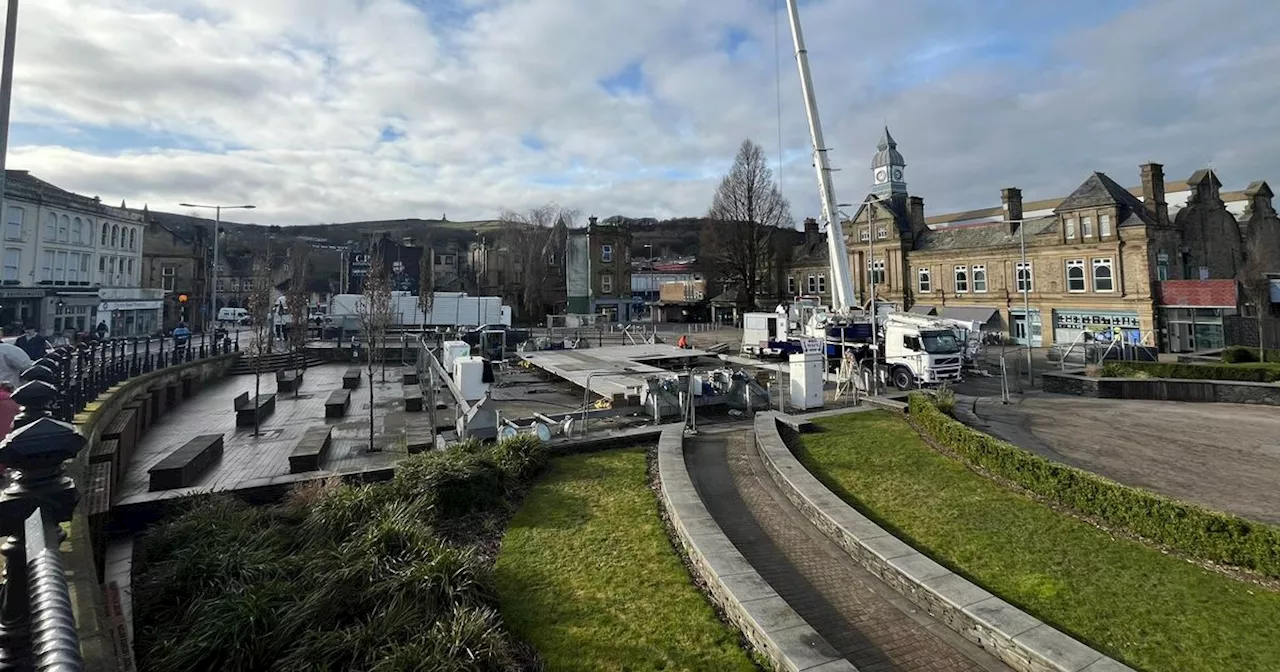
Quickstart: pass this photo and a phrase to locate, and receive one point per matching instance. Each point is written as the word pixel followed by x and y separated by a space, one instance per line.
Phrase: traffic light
pixel 182 298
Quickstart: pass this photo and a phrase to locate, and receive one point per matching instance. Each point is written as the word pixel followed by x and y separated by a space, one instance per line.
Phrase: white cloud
pixel 285 102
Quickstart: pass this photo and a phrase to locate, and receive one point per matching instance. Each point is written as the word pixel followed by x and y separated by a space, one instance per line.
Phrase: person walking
pixel 13 361
pixel 33 343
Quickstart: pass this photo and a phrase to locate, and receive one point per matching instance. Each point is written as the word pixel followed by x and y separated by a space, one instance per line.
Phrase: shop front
pixel 1193 313
pixel 131 318
pixel 19 307
pixel 1020 328
pixel 68 314
pixel 1069 325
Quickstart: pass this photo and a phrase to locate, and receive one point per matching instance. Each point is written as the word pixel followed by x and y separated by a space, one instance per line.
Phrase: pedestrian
pixel 102 330
pixel 33 343
pixel 13 361
pixel 9 408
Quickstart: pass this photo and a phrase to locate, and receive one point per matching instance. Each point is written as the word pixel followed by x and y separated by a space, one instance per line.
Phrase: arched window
pixel 64 228
pixel 133 239
pixel 115 235
pixel 106 231
pixel 77 231
pixel 51 226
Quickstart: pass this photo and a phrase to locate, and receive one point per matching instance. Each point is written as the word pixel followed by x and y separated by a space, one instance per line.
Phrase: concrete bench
pixel 310 449
pixel 409 377
pixel 184 466
pixel 245 408
pixel 288 381
pixel 336 405
pixel 351 379
pixel 412 399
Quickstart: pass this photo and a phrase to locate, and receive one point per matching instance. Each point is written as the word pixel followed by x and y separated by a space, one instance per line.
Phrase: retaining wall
pixel 1163 389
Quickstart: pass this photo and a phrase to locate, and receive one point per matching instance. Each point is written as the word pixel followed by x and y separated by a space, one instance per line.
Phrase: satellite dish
pixel 544 434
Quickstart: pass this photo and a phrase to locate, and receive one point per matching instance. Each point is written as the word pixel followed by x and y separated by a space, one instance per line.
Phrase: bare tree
pixel 530 238
pixel 297 305
pixel 1257 287
pixel 745 214
pixel 262 321
pixel 426 282
pixel 373 312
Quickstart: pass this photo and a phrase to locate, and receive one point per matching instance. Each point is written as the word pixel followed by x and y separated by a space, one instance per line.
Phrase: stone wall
pixel 1163 389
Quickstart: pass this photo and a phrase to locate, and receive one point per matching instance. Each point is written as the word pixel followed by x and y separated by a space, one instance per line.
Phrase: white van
pixel 236 315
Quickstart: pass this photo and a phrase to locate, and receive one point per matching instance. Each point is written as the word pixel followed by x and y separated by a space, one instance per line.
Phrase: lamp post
pixel 871 293
pixel 6 92
pixel 1025 288
pixel 649 290
pixel 213 275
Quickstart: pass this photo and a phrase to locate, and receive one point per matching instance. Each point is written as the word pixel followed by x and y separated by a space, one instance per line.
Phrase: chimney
pixel 810 230
pixel 915 212
pixel 1011 203
pixel 1153 192
pixel 1258 197
pixel 591 221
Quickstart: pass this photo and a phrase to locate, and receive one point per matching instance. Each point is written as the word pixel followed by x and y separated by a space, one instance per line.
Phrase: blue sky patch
pixel 390 134
pixel 109 140
pixel 533 142
pixel 627 81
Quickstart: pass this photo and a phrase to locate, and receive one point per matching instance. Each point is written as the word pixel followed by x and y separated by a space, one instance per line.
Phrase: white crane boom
pixel 842 297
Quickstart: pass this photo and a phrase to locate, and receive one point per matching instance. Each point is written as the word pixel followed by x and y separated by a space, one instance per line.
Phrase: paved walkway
pixel 1223 456
pixel 873 626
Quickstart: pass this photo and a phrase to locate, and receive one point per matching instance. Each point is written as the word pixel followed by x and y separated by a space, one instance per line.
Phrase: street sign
pixel 811 346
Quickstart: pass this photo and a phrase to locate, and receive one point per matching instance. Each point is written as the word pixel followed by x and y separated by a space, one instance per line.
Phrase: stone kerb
pixel 1020 640
pixel 772 627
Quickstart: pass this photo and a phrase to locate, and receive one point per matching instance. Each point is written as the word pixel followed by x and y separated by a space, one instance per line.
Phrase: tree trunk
pixel 369 359
pixel 1262 347
pixel 257 390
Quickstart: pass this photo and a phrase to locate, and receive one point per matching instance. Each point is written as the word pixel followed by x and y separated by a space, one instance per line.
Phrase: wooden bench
pixel 409 377
pixel 123 429
pixel 184 466
pixel 310 450
pixel 336 405
pixel 288 381
pixel 107 451
pixel 98 500
pixel 264 403
pixel 351 379
pixel 412 399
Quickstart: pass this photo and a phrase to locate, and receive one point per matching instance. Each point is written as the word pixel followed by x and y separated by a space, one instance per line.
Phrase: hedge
pixel 1186 528
pixel 1239 354
pixel 1258 373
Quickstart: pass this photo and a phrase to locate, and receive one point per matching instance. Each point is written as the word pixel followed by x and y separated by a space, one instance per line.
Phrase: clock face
pixel 897 174
pixel 881 173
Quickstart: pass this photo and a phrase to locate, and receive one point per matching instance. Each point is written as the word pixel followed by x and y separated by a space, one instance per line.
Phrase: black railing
pixel 37 623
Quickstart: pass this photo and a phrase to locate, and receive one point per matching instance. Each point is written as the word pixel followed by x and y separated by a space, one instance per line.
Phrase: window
pixel 51 227
pixel 73 268
pixel 812 285
pixel 791 284
pixel 1071 228
pixel 864 234
pixel 822 283
pixel 606 253
pixel 962 279
pixel 246 284
pixel 115 235
pixel 923 281
pixel 84 268
pixel 46 266
pixel 877 271
pixel 1103 281
pixel 12 258
pixel 111 270
pixel 1086 227
pixel 60 268
pixel 130 275
pixel 166 278
pixel 1075 275
pixel 133 239
pixel 77 231
pixel 64 229
pixel 1104 225
pixel 1024 273
pixel 980 279
pixel 882 233
pixel 13 228
pixel 606 283
pixel 1162 271
pixel 106 231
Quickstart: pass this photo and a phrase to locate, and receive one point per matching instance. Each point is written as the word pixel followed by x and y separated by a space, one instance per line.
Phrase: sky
pixel 338 110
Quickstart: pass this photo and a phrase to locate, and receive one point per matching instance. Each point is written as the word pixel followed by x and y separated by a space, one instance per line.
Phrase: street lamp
pixel 649 290
pixel 217 223
pixel 1026 288
pixel 6 88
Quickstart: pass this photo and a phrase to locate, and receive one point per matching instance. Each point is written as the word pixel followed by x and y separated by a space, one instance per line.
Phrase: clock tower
pixel 888 168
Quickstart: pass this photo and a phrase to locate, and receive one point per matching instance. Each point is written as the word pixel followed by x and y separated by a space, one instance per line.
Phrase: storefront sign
pixel 131 305
pixel 21 293
pixel 1092 321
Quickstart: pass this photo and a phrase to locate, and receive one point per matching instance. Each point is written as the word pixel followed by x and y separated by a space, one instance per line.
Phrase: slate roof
pixel 810 252
pixel 978 236
pixel 20 184
pixel 1097 191
pixel 888 154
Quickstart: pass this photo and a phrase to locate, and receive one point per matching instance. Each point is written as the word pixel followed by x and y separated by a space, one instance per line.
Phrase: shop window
pixel 980 279
pixel 923 282
pixel 1103 280
pixel 962 279
pixel 1075 275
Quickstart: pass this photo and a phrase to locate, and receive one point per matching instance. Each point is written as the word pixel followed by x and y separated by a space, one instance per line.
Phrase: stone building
pixel 810 266
pixel 1094 261
pixel 175 261
pixel 598 271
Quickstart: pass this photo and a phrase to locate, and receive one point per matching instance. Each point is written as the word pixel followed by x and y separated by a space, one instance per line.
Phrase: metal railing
pixel 37 622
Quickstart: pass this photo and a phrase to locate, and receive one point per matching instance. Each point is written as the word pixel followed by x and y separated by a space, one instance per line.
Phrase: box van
pixel 237 315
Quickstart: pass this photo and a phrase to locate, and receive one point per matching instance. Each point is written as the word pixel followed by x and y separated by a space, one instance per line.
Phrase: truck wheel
pixel 903 379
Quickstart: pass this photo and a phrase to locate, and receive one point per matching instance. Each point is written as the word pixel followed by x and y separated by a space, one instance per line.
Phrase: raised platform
pixel 610 370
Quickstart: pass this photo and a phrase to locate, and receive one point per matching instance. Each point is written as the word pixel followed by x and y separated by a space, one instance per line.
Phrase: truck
pixel 919 350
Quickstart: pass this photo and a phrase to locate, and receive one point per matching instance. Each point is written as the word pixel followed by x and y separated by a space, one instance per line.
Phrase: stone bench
pixel 184 466
pixel 288 381
pixel 412 399
pixel 265 405
pixel 409 377
pixel 98 502
pixel 336 405
pixel 107 451
pixel 310 449
pixel 351 379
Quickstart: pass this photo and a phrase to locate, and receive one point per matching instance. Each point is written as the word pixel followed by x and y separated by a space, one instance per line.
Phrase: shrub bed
pixel 1257 373
pixel 1238 354
pixel 337 577
pixel 1186 528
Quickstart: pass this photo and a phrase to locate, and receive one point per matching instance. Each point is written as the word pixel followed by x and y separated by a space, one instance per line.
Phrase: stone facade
pixel 1094 259
pixel 176 263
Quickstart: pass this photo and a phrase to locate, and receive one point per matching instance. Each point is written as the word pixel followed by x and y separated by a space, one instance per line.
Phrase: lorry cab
pixel 917 355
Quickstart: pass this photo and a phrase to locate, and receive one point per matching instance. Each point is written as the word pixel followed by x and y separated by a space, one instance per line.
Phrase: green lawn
pixel 1147 609
pixel 588 577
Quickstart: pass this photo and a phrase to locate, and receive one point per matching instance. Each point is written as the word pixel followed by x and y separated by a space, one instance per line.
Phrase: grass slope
pixel 588 577
pixel 1147 609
